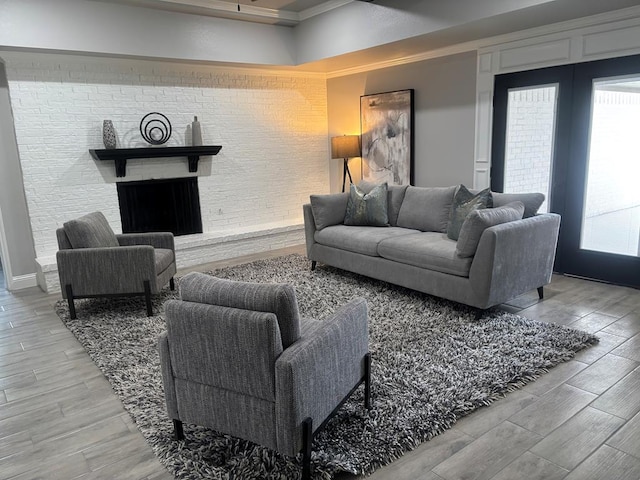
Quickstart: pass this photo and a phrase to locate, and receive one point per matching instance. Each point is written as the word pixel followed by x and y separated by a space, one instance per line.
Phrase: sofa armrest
pixel 100 271
pixel 318 371
pixel 155 239
pixel 514 257
pixel 309 227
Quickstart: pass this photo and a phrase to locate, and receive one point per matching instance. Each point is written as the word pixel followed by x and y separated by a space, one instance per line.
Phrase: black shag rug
pixel 432 364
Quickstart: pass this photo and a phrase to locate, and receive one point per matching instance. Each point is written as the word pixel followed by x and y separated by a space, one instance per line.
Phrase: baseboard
pixel 22 281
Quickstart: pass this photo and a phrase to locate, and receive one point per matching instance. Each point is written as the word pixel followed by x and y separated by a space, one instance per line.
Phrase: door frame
pixel 569 159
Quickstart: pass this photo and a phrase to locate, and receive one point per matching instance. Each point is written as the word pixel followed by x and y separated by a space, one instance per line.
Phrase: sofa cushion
pixel 395 196
pixel 531 201
pixel 430 250
pixel 426 208
pixel 464 202
pixel 367 208
pixel 90 231
pixel 361 239
pixel 479 220
pixel 328 209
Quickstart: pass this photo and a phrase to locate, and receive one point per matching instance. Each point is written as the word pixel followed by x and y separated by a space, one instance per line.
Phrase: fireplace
pixel 168 205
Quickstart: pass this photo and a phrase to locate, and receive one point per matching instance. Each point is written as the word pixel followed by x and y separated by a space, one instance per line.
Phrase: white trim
pixel 322 8
pixel 418 57
pixel 6 260
pixel 23 281
pixel 20 56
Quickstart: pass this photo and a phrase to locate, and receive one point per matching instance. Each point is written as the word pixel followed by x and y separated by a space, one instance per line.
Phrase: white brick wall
pixel 272 128
pixel 530 125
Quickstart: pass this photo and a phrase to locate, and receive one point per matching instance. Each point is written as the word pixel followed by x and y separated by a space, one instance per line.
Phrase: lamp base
pixel 345 172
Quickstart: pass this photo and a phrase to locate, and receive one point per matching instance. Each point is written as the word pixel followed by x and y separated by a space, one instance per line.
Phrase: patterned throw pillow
pixel 367 208
pixel 464 203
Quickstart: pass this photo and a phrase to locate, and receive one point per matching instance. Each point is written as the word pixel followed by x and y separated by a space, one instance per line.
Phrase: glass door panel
pixel 529 142
pixel 611 213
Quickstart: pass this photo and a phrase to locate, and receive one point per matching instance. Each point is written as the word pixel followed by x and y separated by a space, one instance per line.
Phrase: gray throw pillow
pixel 479 220
pixel 367 208
pixel 531 201
pixel 328 209
pixel 90 231
pixel 464 202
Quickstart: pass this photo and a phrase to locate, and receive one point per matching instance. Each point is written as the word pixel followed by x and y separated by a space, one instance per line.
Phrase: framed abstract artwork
pixel 386 123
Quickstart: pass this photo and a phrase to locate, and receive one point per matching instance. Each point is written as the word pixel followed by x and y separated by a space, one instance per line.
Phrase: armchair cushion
pixel 279 299
pixel 90 231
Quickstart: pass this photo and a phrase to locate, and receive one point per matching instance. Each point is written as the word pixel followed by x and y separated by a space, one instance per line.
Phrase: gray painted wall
pixel 445 108
pixel 13 204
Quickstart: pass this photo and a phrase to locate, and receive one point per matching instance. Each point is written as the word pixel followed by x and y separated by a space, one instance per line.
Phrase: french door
pixel 572 133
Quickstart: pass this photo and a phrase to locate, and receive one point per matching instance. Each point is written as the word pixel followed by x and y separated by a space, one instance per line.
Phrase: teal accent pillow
pixel 465 202
pixel 367 208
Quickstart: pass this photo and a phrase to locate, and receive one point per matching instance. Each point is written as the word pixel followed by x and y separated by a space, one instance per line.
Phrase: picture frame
pixel 387 133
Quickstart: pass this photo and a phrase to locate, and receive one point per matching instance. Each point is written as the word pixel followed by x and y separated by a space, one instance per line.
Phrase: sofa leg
pixel 172 284
pixel 479 314
pixel 72 307
pixel 313 265
pixel 147 297
pixel 367 381
pixel 307 440
pixel 541 293
pixel 178 432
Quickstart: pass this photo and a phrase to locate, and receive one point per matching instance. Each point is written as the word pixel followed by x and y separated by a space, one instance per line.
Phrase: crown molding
pixel 323 8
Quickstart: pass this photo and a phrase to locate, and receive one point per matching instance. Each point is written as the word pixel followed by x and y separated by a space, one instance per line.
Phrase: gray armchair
pixel 237 358
pixel 93 261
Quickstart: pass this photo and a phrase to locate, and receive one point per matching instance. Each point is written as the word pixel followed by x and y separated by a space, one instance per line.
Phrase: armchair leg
pixel 541 293
pixel 313 265
pixel 172 284
pixel 307 440
pixel 177 430
pixel 367 381
pixel 72 307
pixel 147 297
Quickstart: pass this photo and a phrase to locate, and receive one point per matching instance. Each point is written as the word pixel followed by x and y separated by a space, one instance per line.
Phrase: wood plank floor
pixel 60 419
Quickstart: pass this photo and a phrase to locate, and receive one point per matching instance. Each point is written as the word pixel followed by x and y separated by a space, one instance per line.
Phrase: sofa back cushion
pixel 395 196
pixel 426 208
pixel 531 201
pixel 479 220
pixel 90 231
pixel 328 209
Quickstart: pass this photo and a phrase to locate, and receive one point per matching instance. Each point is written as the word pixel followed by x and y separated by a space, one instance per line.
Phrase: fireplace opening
pixel 168 205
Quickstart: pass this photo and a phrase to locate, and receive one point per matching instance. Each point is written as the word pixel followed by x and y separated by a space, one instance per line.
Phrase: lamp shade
pixel 347 146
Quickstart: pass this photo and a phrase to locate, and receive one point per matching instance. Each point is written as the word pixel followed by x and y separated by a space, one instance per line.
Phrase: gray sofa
pixel 493 261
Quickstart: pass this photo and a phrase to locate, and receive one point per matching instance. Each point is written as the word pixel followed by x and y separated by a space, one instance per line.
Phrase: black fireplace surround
pixel 167 205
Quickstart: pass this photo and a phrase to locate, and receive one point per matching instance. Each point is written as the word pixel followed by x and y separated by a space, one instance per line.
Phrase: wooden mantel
pixel 121 155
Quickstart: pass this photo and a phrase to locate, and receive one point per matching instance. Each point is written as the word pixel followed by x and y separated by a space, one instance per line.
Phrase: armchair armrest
pixel 317 372
pixel 515 257
pixel 155 239
pixel 100 271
